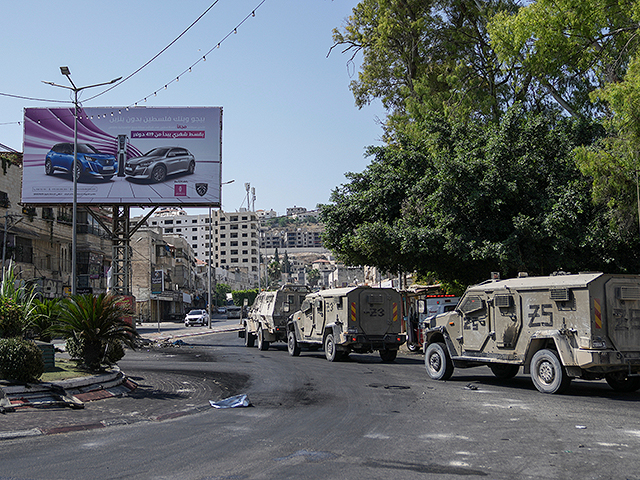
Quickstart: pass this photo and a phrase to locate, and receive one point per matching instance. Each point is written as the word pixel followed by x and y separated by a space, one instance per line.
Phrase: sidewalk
pixel 74 393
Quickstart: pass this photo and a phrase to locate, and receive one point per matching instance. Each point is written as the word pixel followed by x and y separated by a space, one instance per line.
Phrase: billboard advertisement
pixel 126 156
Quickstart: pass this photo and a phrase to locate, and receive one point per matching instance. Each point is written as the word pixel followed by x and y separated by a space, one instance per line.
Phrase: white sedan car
pixel 196 317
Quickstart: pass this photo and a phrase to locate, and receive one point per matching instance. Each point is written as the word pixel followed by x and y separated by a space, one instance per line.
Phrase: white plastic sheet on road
pixel 232 402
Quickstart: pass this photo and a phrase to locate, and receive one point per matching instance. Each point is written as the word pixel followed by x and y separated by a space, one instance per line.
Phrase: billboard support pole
pixel 121 258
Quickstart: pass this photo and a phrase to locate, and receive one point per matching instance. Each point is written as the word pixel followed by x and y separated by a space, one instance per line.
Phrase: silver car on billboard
pixel 158 163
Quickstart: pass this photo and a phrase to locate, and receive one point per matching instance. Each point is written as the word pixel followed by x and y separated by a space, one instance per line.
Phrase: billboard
pixel 126 156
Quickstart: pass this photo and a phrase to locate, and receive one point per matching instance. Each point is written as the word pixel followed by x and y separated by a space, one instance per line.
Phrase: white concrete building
pixel 229 239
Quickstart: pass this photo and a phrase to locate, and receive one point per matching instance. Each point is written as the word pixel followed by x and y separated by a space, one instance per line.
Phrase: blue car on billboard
pixel 92 163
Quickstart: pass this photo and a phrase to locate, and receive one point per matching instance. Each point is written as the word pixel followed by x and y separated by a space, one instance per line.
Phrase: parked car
pixel 222 310
pixel 156 164
pixel 92 163
pixel 196 317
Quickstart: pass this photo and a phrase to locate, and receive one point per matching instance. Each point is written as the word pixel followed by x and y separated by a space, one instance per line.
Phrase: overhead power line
pixel 157 54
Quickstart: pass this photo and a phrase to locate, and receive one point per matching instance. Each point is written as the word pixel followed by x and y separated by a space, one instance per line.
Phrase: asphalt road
pixel 318 420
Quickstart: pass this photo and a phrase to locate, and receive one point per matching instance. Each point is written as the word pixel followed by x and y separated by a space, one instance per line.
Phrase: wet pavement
pixel 135 394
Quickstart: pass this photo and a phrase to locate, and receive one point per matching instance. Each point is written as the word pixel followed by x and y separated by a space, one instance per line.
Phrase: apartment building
pixel 229 239
pixel 38 239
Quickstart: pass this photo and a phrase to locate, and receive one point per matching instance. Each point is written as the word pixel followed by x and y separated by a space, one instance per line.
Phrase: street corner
pixel 73 393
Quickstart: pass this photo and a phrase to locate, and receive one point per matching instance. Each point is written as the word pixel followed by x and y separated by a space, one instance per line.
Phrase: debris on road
pixel 232 402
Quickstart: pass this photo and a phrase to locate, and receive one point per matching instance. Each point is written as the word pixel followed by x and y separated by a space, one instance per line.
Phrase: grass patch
pixel 64 370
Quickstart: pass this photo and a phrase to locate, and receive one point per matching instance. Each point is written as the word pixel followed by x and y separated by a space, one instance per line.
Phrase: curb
pixel 67 393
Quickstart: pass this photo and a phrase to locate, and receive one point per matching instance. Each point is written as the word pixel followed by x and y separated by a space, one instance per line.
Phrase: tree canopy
pixel 511 139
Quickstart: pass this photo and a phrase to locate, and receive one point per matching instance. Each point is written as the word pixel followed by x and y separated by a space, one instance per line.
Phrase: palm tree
pixel 96 325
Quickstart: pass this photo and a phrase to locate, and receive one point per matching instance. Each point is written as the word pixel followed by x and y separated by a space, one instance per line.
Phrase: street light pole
pixel 209 266
pixel 75 170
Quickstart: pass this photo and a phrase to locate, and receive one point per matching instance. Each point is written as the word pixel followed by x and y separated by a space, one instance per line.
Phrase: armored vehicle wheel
pixel 330 350
pixel 292 344
pixel 249 339
pixel 620 382
pixel 388 356
pixel 262 343
pixel 504 371
pixel 437 361
pixel 547 372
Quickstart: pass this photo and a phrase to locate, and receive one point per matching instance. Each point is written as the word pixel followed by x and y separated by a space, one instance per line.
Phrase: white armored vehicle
pixel 343 320
pixel 558 328
pixel 266 321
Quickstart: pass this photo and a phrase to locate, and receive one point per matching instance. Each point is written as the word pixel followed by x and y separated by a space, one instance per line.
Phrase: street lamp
pixel 65 71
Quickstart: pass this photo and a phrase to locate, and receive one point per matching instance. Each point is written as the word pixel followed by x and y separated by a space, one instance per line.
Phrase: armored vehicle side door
pixel 475 322
pixel 507 323
pixel 319 317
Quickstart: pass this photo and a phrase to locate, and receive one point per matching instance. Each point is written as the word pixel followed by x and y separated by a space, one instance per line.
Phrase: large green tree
pixel 584 55
pixel 472 198
pixel 566 49
pixel 420 56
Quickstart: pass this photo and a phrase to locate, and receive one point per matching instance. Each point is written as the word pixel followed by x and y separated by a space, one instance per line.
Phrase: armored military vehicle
pixel 266 321
pixel 343 320
pixel 558 327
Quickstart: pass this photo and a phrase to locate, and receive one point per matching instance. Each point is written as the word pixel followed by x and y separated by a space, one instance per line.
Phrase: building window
pixel 168 222
pixel 4 200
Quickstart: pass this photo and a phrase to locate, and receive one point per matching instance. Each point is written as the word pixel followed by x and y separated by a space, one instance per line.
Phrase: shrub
pixel 11 322
pixel 20 360
pixel 115 352
pixel 76 349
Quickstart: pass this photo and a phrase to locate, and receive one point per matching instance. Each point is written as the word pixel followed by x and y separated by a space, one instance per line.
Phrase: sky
pixel 290 125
